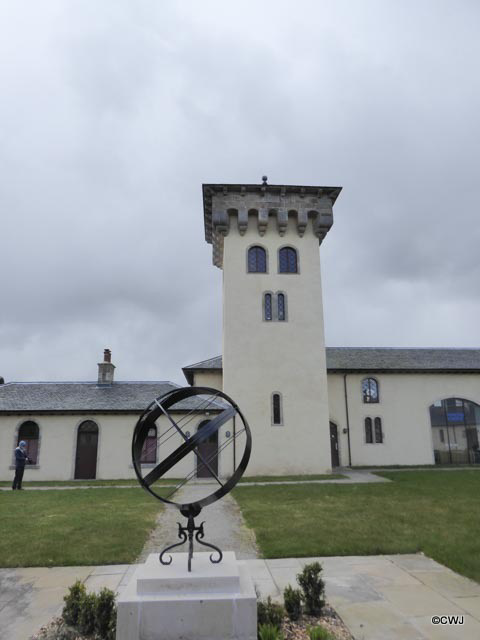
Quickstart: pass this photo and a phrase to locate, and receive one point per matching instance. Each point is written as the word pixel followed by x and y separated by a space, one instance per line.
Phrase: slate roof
pixel 377 359
pixel 85 397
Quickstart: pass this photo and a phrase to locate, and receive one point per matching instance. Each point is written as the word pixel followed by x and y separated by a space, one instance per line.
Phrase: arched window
pixel 287 260
pixel 267 306
pixel 29 432
pixel 257 260
pixel 276 408
pixel 370 390
pixel 456 431
pixel 149 449
pixel 368 431
pixel 281 307
pixel 378 430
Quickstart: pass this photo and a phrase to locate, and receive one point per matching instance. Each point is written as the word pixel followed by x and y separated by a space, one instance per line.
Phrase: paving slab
pixel 377 621
pixel 449 583
pixel 469 630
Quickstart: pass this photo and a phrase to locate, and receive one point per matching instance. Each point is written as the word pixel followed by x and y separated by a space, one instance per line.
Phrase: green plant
pixel 73 603
pixel 319 633
pixel 313 588
pixel 269 632
pixel 105 615
pixel 269 613
pixel 86 616
pixel 293 602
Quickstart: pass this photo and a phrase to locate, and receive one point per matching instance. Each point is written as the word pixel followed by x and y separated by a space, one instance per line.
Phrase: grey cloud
pixel 113 114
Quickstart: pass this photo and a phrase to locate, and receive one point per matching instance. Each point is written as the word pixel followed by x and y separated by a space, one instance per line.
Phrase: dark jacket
pixel 20 458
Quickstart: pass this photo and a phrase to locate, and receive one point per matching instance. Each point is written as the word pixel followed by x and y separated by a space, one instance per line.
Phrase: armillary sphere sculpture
pixel 187 456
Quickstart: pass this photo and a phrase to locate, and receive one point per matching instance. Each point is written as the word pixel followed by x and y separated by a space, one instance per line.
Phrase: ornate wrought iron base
pixel 188 533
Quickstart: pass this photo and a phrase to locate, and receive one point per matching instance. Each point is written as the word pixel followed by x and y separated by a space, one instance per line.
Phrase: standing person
pixel 20 460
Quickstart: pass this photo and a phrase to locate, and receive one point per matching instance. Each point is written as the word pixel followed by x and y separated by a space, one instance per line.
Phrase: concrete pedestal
pixel 212 602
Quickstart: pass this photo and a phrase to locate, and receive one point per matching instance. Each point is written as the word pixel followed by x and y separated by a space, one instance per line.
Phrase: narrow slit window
pixel 378 431
pixel 281 307
pixel 368 431
pixel 257 260
pixel 267 306
pixel 277 408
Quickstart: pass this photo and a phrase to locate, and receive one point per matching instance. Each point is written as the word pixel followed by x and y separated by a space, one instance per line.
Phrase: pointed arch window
pixel 30 432
pixel 378 430
pixel 287 260
pixel 149 449
pixel 267 307
pixel 370 390
pixel 368 431
pixel 257 260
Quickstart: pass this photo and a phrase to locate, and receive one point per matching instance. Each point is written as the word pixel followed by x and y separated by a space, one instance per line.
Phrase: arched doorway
pixel 86 456
pixel 334 445
pixel 456 431
pixel 208 450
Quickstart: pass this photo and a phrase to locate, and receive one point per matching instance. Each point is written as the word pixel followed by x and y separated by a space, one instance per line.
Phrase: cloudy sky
pixel 113 113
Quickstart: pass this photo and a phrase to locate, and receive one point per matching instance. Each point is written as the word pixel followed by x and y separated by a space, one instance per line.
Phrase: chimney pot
pixel 107 355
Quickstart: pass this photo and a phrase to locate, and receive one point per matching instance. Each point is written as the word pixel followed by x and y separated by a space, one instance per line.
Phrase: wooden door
pixel 208 450
pixel 334 445
pixel 86 457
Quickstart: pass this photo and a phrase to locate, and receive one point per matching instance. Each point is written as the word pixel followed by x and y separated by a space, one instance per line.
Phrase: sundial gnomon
pixel 185 451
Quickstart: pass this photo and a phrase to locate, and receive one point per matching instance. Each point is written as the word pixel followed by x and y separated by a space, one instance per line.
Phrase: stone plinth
pixel 212 602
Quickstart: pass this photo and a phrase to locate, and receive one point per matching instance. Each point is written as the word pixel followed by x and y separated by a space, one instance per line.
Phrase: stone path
pixel 378 597
pixel 224 525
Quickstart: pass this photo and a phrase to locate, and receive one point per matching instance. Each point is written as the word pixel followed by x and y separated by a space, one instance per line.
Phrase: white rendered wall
pixel 260 358
pixel 404 405
pixel 58 442
pixel 211 379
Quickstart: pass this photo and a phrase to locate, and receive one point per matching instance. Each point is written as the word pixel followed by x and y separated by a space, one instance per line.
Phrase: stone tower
pixel 265 238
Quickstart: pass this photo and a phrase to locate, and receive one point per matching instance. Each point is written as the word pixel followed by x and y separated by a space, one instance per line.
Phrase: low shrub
pixel 269 613
pixel 86 616
pixel 269 632
pixel 73 603
pixel 293 602
pixel 313 588
pixel 319 633
pixel 91 613
pixel 105 615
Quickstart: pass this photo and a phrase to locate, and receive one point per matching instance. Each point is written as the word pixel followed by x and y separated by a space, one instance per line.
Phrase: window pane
pixel 368 431
pixel 370 390
pixel 257 260
pixel 287 260
pixel 281 306
pixel 149 449
pixel 29 432
pixel 268 306
pixel 378 430
pixel 277 412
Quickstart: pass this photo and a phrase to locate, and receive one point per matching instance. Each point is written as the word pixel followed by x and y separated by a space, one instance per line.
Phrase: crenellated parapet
pixel 265 205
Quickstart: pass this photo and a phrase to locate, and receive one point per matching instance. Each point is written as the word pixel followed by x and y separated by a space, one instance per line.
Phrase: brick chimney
pixel 106 369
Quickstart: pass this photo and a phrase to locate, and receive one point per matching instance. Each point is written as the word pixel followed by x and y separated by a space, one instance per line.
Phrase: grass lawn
pixel 53 528
pixel 436 512
pixel 304 478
